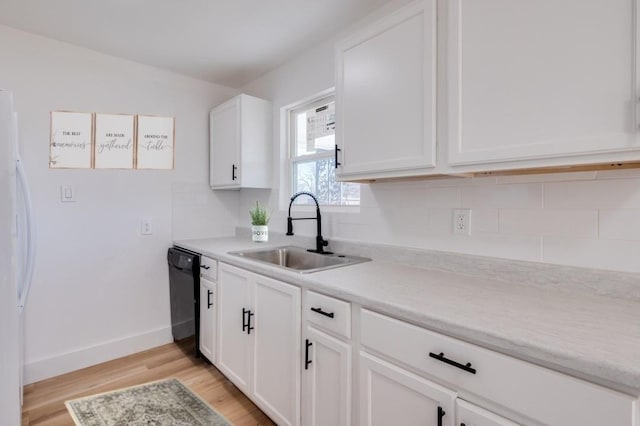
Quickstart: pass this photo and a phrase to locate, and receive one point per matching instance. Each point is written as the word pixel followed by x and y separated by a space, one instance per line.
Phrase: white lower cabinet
pixel 326 380
pixel 259 340
pixel 305 375
pixel 390 395
pixel 207 318
pixel 529 391
pixel 234 342
pixel 276 350
pixel 468 414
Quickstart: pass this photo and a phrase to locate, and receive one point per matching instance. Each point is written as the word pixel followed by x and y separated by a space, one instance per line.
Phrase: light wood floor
pixel 44 401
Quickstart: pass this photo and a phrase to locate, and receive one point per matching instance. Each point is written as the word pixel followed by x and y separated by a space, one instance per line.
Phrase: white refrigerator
pixel 16 261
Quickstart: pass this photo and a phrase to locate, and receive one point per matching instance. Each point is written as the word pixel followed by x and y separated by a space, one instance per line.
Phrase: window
pixel 312 155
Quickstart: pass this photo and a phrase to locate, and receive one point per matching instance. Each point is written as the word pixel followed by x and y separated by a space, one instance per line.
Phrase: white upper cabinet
pixel 540 79
pixel 240 144
pixel 386 95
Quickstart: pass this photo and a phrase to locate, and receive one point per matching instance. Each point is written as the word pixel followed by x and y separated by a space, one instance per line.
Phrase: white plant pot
pixel 260 233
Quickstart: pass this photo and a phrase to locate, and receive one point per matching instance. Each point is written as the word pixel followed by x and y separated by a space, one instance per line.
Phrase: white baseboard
pixel 41 369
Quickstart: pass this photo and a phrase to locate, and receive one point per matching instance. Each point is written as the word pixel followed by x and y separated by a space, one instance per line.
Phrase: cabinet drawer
pixel 536 392
pixel 328 313
pixel 208 268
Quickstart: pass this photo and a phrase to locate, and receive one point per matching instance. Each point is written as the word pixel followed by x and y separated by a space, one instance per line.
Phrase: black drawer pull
pixel 321 312
pixel 441 357
pixel 205 267
pixel 209 302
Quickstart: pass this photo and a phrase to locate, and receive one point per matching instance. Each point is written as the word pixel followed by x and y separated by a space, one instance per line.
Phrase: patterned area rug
pixel 167 402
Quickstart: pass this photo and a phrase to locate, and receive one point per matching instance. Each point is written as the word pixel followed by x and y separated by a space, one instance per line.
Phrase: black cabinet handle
pixel 466 367
pixel 209 302
pixel 205 267
pixel 249 327
pixel 321 312
pixel 307 361
pixel 233 172
pixel 336 154
pixel 244 321
pixel 441 414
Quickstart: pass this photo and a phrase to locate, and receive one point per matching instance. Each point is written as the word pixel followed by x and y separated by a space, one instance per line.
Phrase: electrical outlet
pixel 461 221
pixel 145 226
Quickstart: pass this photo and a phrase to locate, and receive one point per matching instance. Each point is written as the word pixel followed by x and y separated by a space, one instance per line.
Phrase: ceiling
pixel 229 42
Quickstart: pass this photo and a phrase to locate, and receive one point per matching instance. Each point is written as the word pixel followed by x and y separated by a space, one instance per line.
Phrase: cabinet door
pixel 471 415
pixel 224 130
pixel 385 94
pixel 207 318
pixel 390 395
pixel 540 79
pixel 276 355
pixel 234 343
pixel 326 381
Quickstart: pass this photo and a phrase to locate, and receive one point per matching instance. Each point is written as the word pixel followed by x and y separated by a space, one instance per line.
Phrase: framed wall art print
pixel 155 142
pixel 114 141
pixel 70 143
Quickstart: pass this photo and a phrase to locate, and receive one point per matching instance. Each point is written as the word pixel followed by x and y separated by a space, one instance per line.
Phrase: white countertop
pixel 589 336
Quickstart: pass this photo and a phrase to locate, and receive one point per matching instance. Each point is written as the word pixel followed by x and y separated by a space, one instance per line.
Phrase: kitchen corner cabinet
pixel 208 330
pixel 240 144
pixel 259 340
pixel 540 79
pixel 390 395
pixel 386 96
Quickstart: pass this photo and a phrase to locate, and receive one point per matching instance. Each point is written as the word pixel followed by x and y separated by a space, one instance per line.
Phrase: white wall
pixel 100 289
pixel 572 219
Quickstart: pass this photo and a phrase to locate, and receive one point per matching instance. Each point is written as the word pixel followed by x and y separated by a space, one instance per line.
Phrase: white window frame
pixel 288 141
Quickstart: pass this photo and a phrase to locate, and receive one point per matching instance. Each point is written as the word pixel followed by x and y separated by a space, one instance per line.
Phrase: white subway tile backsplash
pixel 199 212
pixel 484 221
pixel 618 255
pixel 568 222
pixel 440 222
pixel 366 197
pixel 443 197
pixel 619 224
pixel 514 196
pixel 461 181
pixel 523 247
pixel 548 177
pixel 589 219
pixel 609 193
pixel 407 197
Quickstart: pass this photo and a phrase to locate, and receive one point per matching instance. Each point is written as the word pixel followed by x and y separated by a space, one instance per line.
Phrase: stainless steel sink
pixel 299 259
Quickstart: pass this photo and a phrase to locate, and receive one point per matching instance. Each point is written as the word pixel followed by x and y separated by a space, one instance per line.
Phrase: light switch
pixel 67 194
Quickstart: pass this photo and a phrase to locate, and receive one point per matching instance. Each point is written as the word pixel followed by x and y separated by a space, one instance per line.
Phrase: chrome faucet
pixel 320 242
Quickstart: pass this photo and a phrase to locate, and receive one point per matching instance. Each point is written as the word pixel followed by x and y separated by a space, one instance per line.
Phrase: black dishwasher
pixel 184 283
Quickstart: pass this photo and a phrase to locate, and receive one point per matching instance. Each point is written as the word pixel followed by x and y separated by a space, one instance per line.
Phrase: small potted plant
pixel 259 221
